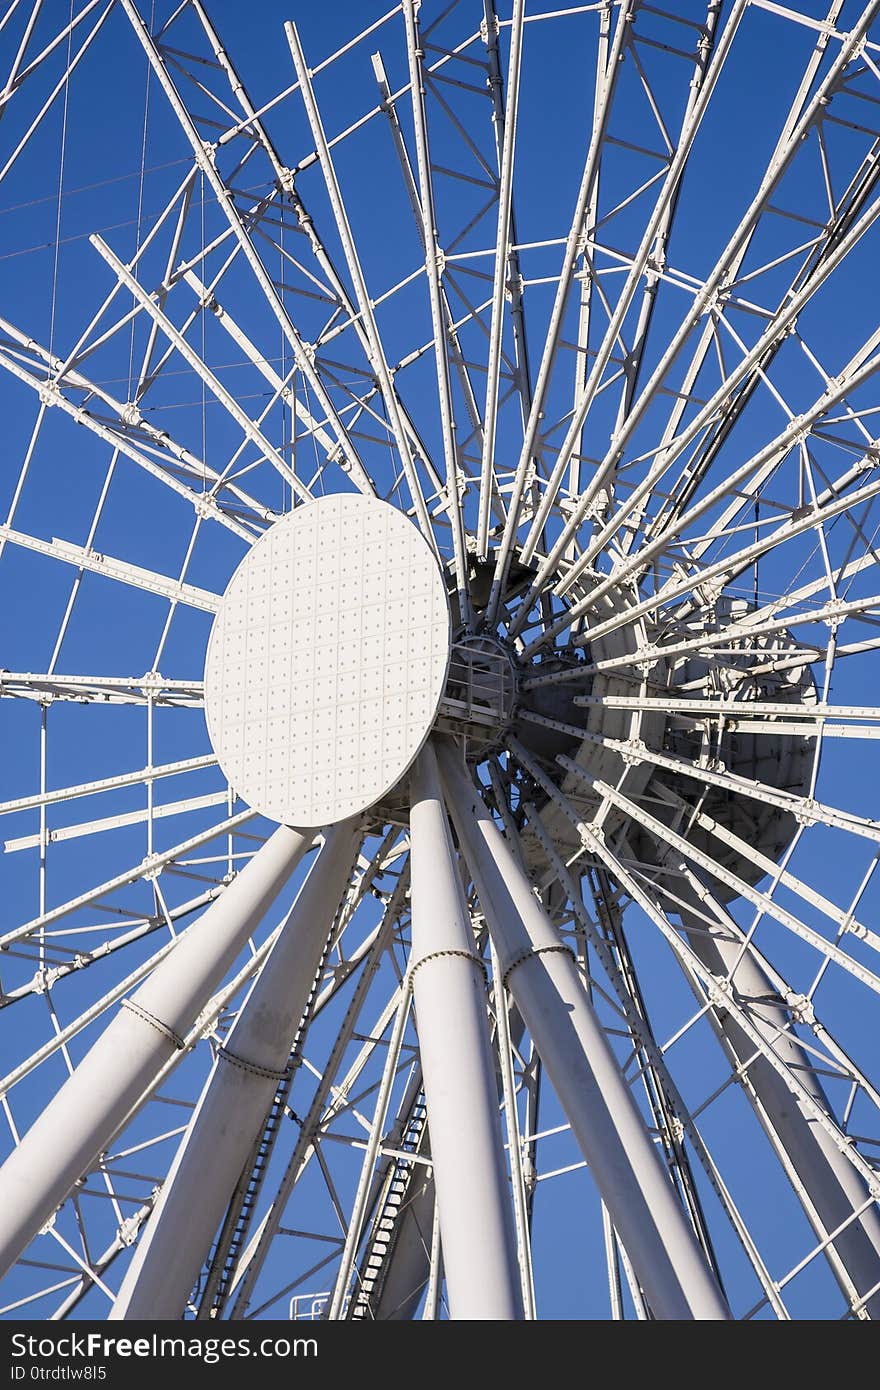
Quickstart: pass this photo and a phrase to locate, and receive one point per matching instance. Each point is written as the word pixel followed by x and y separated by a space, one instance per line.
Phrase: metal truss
pixel 585 291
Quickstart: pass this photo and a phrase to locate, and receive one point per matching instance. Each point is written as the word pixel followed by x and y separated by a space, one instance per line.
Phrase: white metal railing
pixel 308 1307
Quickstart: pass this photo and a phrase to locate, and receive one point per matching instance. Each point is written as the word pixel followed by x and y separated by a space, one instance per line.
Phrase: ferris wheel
pixel 440 585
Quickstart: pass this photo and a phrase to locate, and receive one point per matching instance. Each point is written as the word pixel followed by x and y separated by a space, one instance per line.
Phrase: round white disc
pixel 327 660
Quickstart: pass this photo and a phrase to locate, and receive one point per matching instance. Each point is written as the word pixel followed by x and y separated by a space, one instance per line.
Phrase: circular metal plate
pixel 327 660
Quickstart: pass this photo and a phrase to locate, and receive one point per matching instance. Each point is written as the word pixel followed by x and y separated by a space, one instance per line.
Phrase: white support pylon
pixel 94 1101
pixel 476 1227
pixel 543 978
pixel 236 1097
pixel 831 1185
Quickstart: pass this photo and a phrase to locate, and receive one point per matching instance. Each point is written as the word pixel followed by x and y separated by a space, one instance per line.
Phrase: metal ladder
pixel 375 1264
pixel 234 1232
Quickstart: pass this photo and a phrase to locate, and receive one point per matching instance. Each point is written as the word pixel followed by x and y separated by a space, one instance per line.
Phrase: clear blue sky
pixel 52 281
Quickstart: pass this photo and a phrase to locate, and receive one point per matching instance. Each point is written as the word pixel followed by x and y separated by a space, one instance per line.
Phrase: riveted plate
pixel 327 660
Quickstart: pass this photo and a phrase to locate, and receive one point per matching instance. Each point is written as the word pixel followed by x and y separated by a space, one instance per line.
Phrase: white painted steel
pixel 499 286
pixel 237 1095
pixel 461 1087
pixel 208 167
pixel 672 612
pixel 73 832
pixel 66 1138
pixel 433 255
pixel 834 1189
pixel 543 979
pixel 327 661
pixel 375 348
pixel 148 581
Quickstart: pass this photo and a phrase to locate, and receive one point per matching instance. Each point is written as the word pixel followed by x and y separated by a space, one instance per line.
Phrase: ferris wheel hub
pixel 327 661
pixel 481 693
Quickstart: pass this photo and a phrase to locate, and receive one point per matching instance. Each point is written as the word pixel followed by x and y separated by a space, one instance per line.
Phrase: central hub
pixel 480 694
pixel 327 661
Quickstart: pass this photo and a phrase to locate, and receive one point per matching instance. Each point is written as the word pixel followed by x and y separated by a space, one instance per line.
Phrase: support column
pixel 236 1097
pixel 70 1134
pixel 543 978
pixel 476 1228
pixel 831 1184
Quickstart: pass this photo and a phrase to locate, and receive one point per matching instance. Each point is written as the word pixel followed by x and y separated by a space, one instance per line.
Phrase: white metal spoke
pixel 477 430
pixel 774 173
pixel 239 232
pixel 502 244
pixel 432 271
pixel 555 326
pixel 730 566
pixel 247 425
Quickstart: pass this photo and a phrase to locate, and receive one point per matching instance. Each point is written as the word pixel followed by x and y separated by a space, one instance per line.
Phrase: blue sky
pixel 52 281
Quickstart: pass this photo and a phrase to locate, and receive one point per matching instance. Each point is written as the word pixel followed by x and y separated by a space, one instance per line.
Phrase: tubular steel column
pixel 476 1229
pixel 830 1181
pixel 236 1097
pixel 542 976
pixel 67 1138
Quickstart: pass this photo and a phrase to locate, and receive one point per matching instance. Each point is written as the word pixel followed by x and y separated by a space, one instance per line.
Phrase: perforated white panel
pixel 327 660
